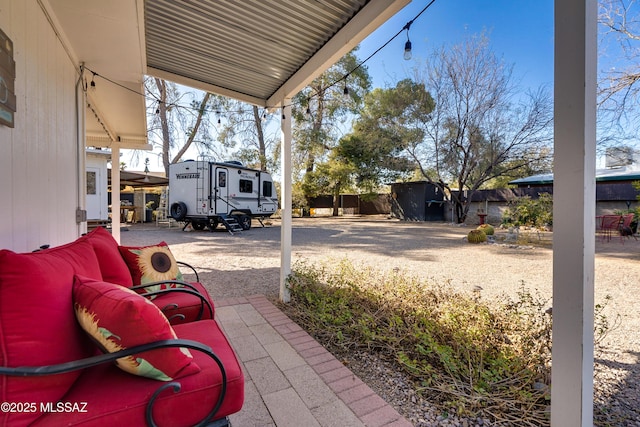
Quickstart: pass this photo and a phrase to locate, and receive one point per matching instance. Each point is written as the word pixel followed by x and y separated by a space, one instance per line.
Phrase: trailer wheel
pixel 178 211
pixel 245 222
pixel 198 225
pixel 212 224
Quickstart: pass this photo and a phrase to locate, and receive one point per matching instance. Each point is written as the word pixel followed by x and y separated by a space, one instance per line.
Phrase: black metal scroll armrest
pixel 203 301
pixel 39 371
pixel 166 282
pixel 191 267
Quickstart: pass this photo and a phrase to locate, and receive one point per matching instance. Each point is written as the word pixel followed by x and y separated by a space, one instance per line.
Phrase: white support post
pixel 81 155
pixel 285 200
pixel 115 191
pixel 574 212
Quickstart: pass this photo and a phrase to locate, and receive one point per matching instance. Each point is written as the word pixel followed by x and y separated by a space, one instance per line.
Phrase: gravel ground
pixel 248 263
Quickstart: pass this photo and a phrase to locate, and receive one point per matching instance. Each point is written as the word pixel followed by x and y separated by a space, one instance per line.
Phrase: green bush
pixel 469 357
pixel 464 355
pixel 530 212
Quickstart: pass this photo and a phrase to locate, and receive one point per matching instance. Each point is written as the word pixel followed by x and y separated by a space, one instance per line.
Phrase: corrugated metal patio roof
pixel 258 51
pixel 248 47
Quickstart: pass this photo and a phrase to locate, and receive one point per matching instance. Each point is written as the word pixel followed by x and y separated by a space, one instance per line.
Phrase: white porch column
pixel 115 191
pixel 285 200
pixel 574 212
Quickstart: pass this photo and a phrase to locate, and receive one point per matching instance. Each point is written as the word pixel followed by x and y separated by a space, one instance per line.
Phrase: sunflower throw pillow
pixel 150 264
pixel 117 318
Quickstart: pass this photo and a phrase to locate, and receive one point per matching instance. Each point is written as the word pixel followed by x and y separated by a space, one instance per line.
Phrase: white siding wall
pixel 38 158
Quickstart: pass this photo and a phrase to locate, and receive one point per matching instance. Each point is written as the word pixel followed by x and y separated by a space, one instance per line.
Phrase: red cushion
pixel 115 398
pixel 112 266
pixel 118 318
pixel 180 307
pixel 37 324
pixel 149 264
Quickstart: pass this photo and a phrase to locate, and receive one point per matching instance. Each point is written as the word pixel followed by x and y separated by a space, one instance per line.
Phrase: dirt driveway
pixel 248 263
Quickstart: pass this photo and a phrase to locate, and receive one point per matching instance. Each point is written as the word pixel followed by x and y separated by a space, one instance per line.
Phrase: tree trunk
pixel 196 126
pixel 336 204
pixel 164 123
pixel 261 144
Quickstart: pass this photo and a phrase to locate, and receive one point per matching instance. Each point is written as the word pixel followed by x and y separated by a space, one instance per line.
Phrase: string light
pixel 146 170
pixel 407 45
pixel 407 56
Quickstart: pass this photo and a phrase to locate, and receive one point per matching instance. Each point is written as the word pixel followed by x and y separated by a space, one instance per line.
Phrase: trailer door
pixel 221 204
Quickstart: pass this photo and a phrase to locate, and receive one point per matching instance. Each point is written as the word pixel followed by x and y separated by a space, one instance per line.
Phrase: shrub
pixel 487 229
pixel 465 355
pixel 531 212
pixel 461 353
pixel 476 236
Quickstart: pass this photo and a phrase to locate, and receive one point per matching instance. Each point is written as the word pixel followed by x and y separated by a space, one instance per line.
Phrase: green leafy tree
pixel 332 176
pixel 375 148
pixel 320 111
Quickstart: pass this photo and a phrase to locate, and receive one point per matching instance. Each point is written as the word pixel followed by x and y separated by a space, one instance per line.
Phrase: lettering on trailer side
pixel 192 175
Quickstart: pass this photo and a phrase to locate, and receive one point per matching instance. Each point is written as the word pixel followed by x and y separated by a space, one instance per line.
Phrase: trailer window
pixel 222 179
pixel 246 186
pixel 266 189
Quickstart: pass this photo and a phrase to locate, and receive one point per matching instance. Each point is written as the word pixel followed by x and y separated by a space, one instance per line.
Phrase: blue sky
pixel 520 31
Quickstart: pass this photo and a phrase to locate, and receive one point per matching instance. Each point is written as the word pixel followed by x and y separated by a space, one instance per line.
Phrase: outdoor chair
pixel 609 224
pixel 625 227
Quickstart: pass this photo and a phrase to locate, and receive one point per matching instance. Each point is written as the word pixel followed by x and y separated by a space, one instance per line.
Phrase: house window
pixel 91 183
pixel 246 186
pixel 266 189
pixel 222 179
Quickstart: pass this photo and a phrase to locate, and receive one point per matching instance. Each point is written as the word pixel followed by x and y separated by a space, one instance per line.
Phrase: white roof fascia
pixel 357 29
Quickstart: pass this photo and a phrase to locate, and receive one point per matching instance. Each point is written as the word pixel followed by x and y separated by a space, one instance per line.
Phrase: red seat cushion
pixel 149 264
pixel 37 324
pixel 116 398
pixel 118 318
pixel 112 266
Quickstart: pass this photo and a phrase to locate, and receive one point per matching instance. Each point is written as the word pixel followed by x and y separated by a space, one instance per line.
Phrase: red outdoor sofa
pixel 94 334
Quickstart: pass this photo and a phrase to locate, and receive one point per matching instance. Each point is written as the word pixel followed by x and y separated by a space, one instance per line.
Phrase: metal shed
pixel 417 201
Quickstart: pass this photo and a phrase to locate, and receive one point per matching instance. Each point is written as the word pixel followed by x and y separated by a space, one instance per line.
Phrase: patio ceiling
pixel 257 51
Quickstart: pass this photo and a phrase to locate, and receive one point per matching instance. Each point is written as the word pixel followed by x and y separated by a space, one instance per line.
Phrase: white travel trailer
pixel 205 194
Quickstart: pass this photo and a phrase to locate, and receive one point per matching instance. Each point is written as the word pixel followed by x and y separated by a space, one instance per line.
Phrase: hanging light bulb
pixel 407 50
pixel 407 45
pixel 93 82
pixel 146 170
pixel 345 92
